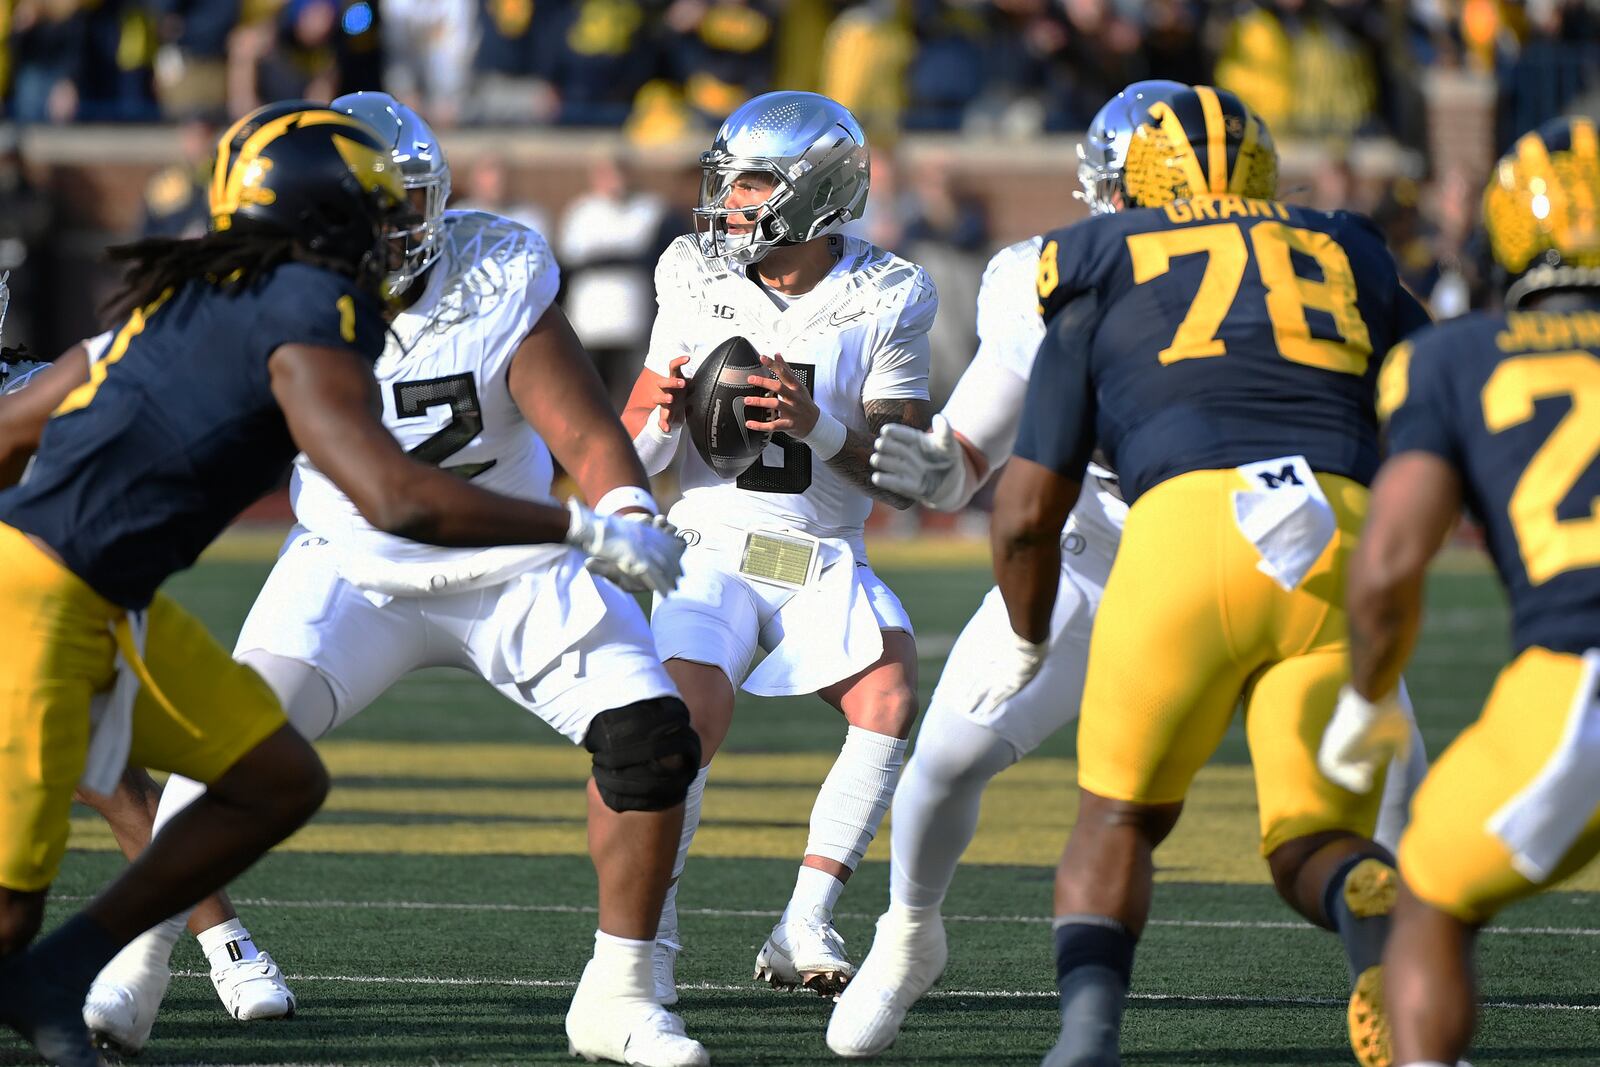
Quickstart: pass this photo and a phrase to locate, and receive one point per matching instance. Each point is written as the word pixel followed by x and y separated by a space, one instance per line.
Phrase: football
pixel 716 412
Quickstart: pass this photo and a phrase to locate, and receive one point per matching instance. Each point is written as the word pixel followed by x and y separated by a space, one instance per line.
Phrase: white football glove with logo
pixel 605 568
pixel 927 467
pixel 642 554
pixel 1012 663
pixel 1361 737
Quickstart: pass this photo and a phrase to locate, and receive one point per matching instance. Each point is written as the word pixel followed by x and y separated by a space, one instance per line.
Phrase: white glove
pixel 927 467
pixel 1012 664
pixel 605 568
pixel 1361 737
pixel 639 551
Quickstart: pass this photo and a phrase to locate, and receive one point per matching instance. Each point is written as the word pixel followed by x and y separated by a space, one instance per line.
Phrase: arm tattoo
pixel 854 459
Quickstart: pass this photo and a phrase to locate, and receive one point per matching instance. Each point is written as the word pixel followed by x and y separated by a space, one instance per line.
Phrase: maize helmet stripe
pixel 1172 126
pixel 219 170
pixel 243 175
pixel 1216 140
pixel 1241 164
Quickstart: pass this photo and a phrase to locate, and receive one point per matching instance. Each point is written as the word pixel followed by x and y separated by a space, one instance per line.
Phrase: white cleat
pixel 805 953
pixel 906 960
pixel 122 1004
pixel 633 1030
pixel 664 970
pixel 253 989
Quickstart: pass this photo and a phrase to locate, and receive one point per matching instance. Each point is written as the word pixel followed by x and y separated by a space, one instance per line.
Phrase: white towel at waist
pixel 1285 516
pixel 111 717
pixel 1541 823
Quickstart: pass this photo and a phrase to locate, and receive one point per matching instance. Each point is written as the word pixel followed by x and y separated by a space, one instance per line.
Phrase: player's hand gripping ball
pixel 717 410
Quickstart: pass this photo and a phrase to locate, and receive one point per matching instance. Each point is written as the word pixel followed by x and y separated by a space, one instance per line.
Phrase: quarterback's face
pixel 748 190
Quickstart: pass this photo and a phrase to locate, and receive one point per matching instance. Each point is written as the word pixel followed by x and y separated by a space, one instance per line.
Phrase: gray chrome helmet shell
pixel 815 151
pixel 1104 149
pixel 422 165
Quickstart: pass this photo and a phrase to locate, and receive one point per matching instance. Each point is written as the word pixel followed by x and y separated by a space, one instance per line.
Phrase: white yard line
pixel 761 913
pixel 941 994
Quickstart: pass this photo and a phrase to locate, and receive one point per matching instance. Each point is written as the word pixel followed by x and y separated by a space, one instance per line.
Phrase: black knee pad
pixel 646 754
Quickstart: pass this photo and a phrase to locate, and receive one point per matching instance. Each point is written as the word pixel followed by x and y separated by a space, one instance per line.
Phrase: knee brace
pixel 646 754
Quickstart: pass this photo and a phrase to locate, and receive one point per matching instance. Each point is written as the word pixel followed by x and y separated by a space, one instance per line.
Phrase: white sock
pixel 816 894
pixel 854 797
pixel 132 966
pixel 227 943
pixel 623 965
pixel 177 794
pixel 936 806
pixel 667 930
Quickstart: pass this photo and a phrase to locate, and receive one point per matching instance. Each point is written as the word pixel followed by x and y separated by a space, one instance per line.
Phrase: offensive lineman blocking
pixel 482 377
pixel 844 326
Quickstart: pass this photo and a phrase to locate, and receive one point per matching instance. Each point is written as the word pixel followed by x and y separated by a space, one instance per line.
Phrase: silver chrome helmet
pixel 422 165
pixel 815 152
pixel 1104 150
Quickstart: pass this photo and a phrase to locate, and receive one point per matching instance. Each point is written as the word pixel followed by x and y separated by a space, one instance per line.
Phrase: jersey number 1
pixel 413 399
pixel 1288 294
pixel 793 473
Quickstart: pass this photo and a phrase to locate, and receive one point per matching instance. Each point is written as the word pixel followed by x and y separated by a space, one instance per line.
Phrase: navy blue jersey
pixel 1514 405
pixel 1212 333
pixel 177 430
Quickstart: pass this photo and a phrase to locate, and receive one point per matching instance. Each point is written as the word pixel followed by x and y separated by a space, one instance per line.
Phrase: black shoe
pixel 37 1005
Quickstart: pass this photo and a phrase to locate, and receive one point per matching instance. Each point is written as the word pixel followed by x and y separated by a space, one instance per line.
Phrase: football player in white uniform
pixel 777 559
pixel 483 376
pixel 966 739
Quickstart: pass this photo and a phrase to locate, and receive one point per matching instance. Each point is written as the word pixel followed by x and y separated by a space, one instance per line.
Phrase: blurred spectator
pixel 1087 53
pixel 607 255
pixel 301 58
pixel 47 46
pixel 175 198
pixel 514 61
pixel 605 52
pixel 1302 65
pixel 947 72
pixel 428 46
pixel 868 50
pixel 721 51
pixel 191 69
pixel 946 231
pixel 27 228
pixel 116 76
pixel 487 188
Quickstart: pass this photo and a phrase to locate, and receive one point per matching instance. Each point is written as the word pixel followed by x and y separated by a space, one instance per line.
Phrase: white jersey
pixel 443 379
pixel 986 406
pixel 860 335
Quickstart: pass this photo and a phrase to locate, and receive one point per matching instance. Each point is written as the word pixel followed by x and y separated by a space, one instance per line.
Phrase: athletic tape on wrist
pixel 626 496
pixel 827 437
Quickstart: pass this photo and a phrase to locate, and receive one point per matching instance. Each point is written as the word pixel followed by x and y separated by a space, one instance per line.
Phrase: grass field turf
pixel 440 907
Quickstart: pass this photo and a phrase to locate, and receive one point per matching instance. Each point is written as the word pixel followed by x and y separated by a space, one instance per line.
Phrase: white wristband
pixel 827 437
pixel 652 426
pixel 626 496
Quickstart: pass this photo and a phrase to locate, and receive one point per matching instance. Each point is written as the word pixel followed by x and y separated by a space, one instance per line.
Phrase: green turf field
pixel 440 908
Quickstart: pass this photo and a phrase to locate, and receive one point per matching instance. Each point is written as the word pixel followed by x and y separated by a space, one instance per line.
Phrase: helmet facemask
pixel 417 236
pixel 745 234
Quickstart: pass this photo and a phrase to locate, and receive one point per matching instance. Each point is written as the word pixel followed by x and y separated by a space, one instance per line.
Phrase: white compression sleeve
pixel 986 409
pixel 656 449
pixel 854 797
pixel 936 806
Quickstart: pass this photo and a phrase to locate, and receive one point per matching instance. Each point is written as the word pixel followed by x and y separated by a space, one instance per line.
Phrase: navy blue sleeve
pixel 1409 314
pixel 1065 266
pixel 1414 396
pixel 1058 415
pixel 307 305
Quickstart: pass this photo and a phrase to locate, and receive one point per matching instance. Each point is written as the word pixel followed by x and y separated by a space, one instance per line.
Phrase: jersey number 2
pixel 1548 545
pixel 1288 294
pixel 413 399
pixel 793 474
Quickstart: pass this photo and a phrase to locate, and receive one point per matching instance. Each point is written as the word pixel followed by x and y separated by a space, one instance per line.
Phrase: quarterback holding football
pixel 818 340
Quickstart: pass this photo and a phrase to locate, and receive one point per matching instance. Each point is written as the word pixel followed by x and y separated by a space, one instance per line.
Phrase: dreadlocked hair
pixel 228 259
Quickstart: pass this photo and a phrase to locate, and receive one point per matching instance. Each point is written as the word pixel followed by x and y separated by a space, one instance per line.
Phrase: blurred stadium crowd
pixel 658 67
pixel 1332 74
